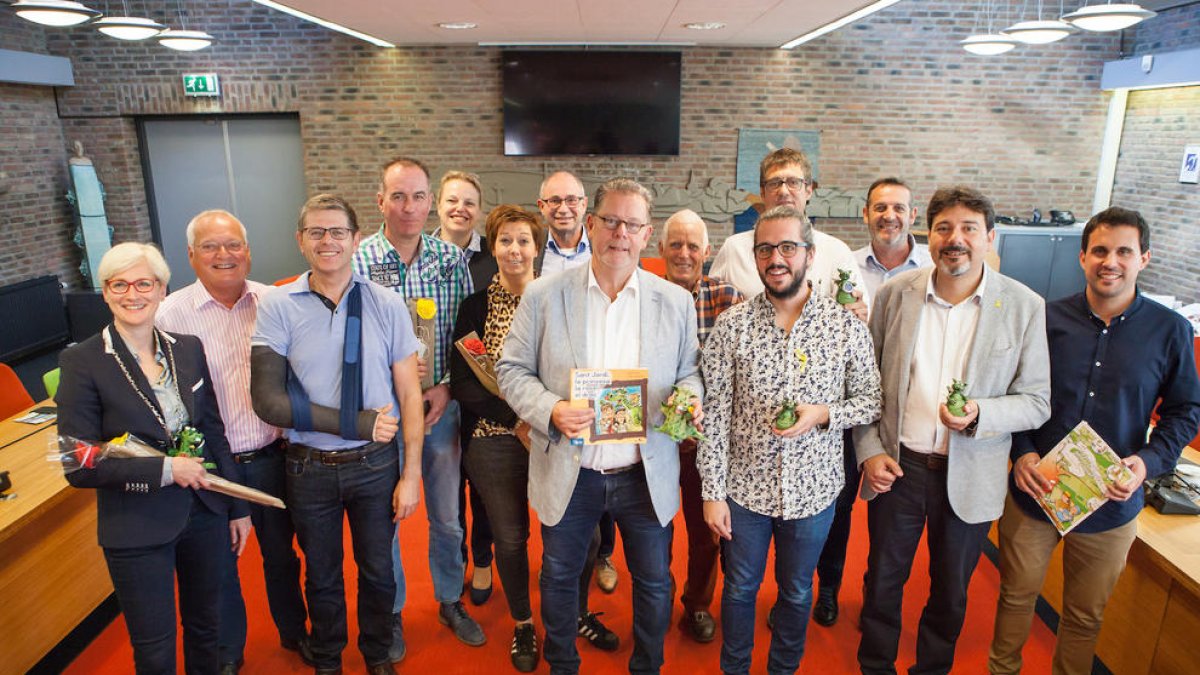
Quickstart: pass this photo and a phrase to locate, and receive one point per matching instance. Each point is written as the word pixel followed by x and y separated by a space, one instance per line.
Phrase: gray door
pixel 252 167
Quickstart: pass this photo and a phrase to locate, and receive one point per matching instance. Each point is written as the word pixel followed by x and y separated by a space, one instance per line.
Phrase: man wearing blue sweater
pixel 1113 355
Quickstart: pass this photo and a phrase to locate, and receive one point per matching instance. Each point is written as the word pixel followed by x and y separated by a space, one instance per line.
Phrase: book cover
pixel 1079 468
pixel 618 396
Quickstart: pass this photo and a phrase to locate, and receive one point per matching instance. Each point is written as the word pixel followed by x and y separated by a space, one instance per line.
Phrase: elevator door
pixel 250 166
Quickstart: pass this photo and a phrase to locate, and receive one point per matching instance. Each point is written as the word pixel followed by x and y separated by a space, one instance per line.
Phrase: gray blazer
pixel 1007 375
pixel 548 338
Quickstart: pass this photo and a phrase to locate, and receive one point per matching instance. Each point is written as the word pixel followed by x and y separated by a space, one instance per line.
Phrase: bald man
pixel 684 246
pixel 563 203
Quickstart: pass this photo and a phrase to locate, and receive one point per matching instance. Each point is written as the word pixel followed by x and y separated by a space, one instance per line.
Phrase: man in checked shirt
pixel 416 265
pixel 760 482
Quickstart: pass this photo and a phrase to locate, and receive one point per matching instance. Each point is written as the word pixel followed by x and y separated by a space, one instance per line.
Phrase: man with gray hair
pixel 786 373
pixel 607 314
pixel 221 308
pixel 684 247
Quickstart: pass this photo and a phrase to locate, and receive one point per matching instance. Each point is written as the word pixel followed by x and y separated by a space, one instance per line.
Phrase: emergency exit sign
pixel 201 84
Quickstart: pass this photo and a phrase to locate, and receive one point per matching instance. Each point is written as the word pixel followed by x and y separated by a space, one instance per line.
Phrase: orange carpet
pixel 433 649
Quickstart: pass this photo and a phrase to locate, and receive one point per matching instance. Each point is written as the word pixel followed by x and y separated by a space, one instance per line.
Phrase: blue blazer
pixel 96 403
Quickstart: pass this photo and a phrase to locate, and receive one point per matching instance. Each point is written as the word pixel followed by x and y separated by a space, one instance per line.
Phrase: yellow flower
pixel 426 308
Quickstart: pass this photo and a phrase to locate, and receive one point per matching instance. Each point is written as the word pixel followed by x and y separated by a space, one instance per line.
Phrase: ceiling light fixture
pixel 990 43
pixel 57 13
pixel 129 27
pixel 327 24
pixel 457 25
pixel 838 23
pixel 184 40
pixel 706 25
pixel 1040 31
pixel 1105 18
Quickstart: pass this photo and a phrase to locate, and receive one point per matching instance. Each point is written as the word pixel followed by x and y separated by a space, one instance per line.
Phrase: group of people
pixel 342 392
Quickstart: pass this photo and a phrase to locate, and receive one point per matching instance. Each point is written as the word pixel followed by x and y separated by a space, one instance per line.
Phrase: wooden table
pixel 52 571
pixel 1152 621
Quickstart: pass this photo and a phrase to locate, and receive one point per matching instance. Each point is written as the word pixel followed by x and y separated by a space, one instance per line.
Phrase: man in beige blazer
pixel 924 467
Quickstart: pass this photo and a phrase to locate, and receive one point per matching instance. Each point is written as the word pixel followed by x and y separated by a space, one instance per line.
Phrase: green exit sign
pixel 201 84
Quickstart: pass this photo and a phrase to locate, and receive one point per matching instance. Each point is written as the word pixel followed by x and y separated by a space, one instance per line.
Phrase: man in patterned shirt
pixel 684 246
pixel 789 344
pixel 418 266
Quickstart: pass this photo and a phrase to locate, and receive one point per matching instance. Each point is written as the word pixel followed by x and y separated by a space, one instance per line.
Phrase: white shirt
pixel 945 335
pixel 614 341
pixel 735 263
pixel 225 334
pixel 874 273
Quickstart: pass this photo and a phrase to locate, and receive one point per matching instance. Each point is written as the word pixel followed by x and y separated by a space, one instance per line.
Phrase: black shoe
pixel 524 651
pixel 232 668
pixel 596 633
pixel 480 595
pixel 301 647
pixel 454 615
pixel 825 612
pixel 771 619
pixel 385 668
pixel 335 670
pixel 700 625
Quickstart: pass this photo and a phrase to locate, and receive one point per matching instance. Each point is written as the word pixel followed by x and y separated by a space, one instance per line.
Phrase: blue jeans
pixel 144 580
pixel 441 472
pixel 319 497
pixel 798 545
pixel 281 566
pixel 647 548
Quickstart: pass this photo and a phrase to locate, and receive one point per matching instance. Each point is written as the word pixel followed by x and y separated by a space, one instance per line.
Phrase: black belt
pixel 930 460
pixel 334 457
pixel 262 453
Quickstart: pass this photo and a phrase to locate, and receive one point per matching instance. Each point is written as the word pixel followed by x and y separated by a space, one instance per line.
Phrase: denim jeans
pixel 281 566
pixel 319 497
pixel 647 552
pixel 144 580
pixel 441 472
pixel 798 544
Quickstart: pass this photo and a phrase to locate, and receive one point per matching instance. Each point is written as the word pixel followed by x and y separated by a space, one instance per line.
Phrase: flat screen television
pixel 591 102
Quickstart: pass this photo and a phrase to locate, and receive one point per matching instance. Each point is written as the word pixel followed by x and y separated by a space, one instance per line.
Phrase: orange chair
pixel 286 280
pixel 655 266
pixel 13 396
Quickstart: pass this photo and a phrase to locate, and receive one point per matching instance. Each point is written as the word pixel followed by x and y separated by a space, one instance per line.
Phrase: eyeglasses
pixel 792 183
pixel 611 223
pixel 570 200
pixel 318 233
pixel 121 287
pixel 211 247
pixel 787 249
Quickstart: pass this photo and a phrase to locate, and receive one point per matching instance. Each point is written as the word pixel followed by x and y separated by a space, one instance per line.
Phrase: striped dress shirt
pixel 226 335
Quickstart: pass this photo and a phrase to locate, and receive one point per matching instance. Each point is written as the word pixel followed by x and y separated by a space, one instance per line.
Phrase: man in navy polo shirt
pixel 1113 355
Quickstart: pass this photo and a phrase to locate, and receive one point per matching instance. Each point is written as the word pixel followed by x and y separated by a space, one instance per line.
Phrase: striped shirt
pixel 225 334
pixel 439 272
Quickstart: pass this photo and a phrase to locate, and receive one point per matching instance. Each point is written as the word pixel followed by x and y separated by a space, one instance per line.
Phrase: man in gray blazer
pixel 607 314
pixel 922 465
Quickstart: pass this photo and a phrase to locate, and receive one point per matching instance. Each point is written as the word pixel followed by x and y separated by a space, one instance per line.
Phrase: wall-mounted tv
pixel 591 102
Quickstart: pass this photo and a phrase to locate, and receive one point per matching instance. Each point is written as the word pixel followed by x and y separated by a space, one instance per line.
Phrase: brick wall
pixel 1158 124
pixel 893 94
pixel 34 217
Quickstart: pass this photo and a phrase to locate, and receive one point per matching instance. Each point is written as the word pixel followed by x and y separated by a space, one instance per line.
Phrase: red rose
pixel 475 346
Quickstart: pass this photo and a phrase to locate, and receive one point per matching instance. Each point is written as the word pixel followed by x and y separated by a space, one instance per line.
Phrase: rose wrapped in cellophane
pixel 679 416
pixel 74 454
pixel 475 354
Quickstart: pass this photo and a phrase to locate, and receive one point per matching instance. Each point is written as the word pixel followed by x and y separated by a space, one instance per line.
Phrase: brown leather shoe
pixel 700 626
pixel 385 668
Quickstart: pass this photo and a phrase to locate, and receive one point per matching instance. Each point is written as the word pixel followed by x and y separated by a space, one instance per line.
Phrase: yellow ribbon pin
pixel 802 358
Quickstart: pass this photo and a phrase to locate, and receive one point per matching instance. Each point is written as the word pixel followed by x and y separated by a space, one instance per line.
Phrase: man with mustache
pixel 763 483
pixel 924 468
pixel 1113 355
pixel 684 247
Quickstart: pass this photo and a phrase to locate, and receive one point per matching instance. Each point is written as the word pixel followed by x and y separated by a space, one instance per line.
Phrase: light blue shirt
pixel 294 322
pixel 554 259
pixel 874 274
